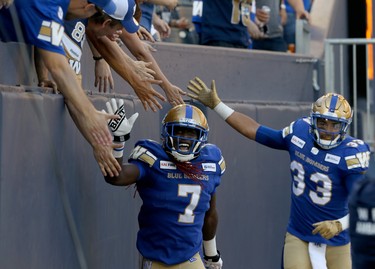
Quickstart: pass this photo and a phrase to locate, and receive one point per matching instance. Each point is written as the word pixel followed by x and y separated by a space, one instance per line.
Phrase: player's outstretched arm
pixel 209 97
pixel 121 129
pixel 91 122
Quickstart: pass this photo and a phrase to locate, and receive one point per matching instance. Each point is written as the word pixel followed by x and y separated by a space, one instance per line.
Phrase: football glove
pixel 328 228
pixel 206 96
pixel 121 127
pixel 214 262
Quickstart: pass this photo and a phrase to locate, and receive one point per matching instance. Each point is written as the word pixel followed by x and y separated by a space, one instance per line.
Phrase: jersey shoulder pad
pixel 147 151
pixel 356 154
pixel 211 153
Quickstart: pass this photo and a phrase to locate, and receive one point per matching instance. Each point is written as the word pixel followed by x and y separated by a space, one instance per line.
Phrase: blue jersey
pixel 73 40
pixel 221 21
pixel 321 179
pixel 41 23
pixel 172 214
pixel 196 16
pixel 147 13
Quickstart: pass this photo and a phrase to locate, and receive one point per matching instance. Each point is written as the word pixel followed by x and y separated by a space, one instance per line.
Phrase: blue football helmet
pixel 190 119
pixel 332 107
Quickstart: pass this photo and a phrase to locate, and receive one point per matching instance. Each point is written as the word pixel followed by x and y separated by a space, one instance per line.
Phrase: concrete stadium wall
pixel 48 168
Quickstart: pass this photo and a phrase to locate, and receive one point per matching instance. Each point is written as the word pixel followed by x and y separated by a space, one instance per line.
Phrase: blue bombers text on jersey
pixel 321 179
pixel 172 214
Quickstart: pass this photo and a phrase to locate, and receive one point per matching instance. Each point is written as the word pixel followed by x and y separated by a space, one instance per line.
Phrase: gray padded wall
pixel 43 157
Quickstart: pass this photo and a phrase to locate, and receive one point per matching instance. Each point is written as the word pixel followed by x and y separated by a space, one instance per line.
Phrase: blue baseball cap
pixel 122 10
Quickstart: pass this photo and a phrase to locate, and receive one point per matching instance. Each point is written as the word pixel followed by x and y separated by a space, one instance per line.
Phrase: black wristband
pixel 213 258
pixel 97 58
pixel 122 138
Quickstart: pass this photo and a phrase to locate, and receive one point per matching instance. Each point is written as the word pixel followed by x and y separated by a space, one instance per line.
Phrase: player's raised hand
pixel 202 93
pixel 328 228
pixel 122 126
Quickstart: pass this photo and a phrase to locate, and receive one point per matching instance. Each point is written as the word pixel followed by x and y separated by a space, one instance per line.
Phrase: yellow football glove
pixel 328 228
pixel 206 96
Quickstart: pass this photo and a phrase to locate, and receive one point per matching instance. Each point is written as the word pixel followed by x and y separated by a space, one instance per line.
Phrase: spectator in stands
pixel 5 3
pixel 290 23
pixel 274 40
pixel 151 21
pixel 325 164
pixel 362 224
pixel 175 21
pixel 222 25
pixel 177 181
pixel 40 23
pixel 99 25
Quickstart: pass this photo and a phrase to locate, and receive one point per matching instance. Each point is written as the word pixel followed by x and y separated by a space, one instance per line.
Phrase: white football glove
pixel 120 127
pixel 213 262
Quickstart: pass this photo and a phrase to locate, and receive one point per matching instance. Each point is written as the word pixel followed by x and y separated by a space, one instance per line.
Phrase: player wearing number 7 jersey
pixel 176 181
pixel 324 164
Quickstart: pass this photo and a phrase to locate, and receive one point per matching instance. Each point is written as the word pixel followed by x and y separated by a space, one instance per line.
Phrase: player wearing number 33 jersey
pixel 321 179
pixel 325 163
pixel 177 181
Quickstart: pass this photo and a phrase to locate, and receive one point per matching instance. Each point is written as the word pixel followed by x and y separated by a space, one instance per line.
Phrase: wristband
pixel 215 258
pixel 223 110
pixel 209 247
pixel 121 138
pixel 344 222
pixel 118 152
pixel 97 58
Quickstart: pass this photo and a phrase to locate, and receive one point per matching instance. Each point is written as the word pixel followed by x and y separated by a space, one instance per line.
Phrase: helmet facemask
pixel 184 142
pixel 331 108
pixel 184 132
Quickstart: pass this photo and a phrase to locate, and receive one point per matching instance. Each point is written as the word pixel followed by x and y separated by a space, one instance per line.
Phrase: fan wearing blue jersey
pixel 41 23
pixel 176 180
pixel 325 162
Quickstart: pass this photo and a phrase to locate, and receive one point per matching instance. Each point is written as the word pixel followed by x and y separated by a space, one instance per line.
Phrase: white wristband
pixel 344 222
pixel 209 247
pixel 119 152
pixel 223 110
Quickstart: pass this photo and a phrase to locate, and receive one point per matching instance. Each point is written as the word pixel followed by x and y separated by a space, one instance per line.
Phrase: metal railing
pixel 334 54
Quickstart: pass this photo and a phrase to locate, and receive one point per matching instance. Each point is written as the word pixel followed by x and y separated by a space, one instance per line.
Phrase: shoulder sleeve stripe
pixel 222 165
pixel 288 130
pixel 361 159
pixel 142 154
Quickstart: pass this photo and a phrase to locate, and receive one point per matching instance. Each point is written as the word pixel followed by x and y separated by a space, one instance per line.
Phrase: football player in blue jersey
pixel 325 162
pixel 362 223
pixel 177 181
pixel 41 23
